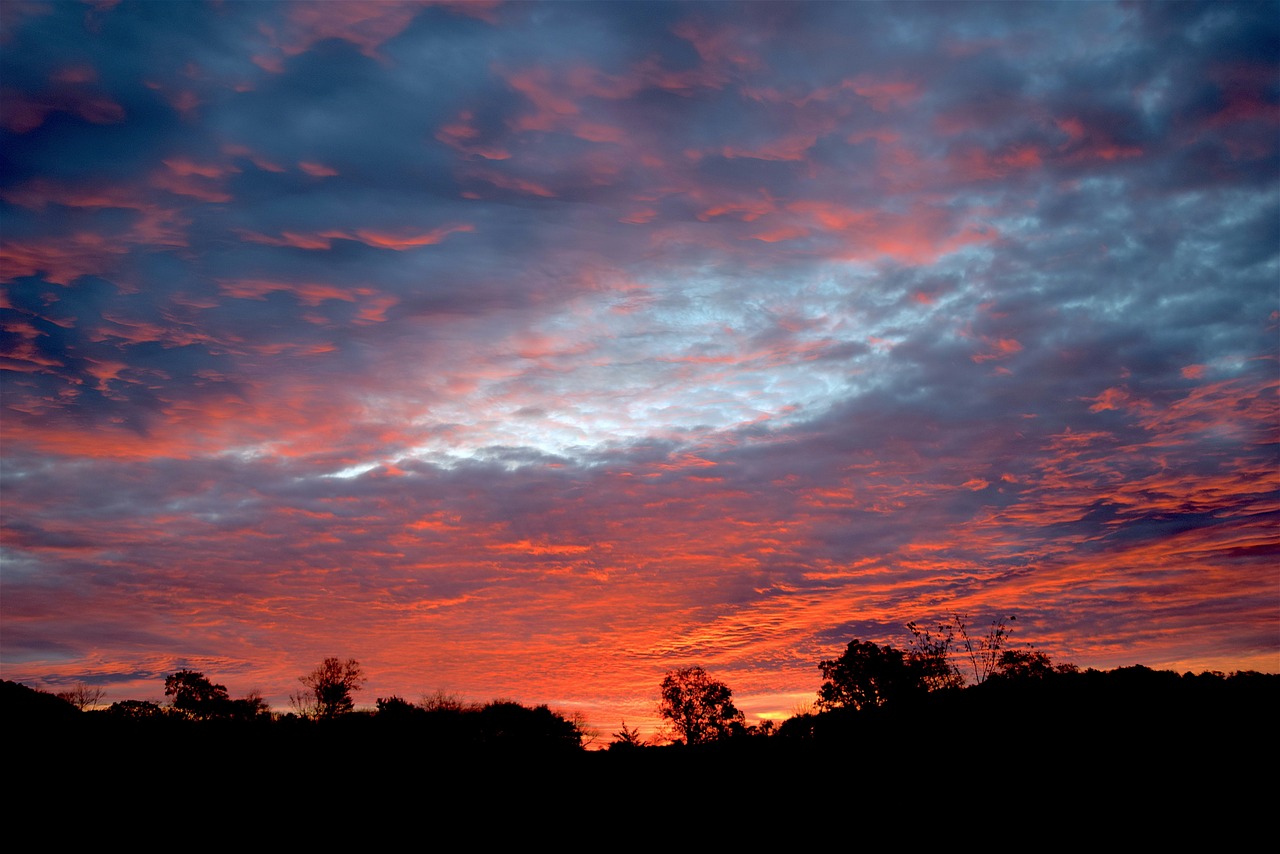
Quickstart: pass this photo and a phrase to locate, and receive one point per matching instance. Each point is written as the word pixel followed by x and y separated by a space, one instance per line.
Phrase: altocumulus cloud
pixel 534 349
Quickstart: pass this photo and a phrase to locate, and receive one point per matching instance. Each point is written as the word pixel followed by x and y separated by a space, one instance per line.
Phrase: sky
pixel 532 350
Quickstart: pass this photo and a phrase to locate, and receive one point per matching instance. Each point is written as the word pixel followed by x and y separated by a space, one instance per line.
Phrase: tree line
pixel 326 693
pixel 949 668
pixel 866 675
pixel 947 662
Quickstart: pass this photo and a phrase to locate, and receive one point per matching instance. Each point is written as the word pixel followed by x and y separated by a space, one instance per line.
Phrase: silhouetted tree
pixel 249 707
pixel 1023 664
pixel 135 710
pixel 194 696
pixel 866 676
pixel 983 653
pixel 944 658
pixel 331 685
pixel 398 709
pixel 442 702
pixel 507 724
pixel 587 734
pixel 700 708
pixel 930 656
pixel 626 738
pixel 303 703
pixel 197 698
pixel 82 696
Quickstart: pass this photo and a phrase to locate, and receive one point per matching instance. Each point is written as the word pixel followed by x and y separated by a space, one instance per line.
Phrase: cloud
pixel 534 349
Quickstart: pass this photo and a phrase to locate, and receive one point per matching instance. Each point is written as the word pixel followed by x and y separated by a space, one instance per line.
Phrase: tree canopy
pixel 194 695
pixel 700 708
pixel 866 676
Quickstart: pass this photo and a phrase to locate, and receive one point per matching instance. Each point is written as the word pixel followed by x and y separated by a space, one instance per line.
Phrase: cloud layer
pixel 535 349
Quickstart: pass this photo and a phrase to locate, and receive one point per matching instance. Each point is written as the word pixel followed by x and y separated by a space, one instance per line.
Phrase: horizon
pixel 549 347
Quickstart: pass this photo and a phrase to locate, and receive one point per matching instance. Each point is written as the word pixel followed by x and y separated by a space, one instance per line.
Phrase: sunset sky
pixel 531 350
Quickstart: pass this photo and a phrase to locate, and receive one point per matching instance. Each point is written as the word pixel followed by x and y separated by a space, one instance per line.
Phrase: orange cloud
pixel 1001 348
pixel 323 240
pixel 402 242
pixel 307 293
pixel 1112 398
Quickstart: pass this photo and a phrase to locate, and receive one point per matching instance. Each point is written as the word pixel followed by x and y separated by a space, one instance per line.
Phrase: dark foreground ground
pixel 1142 762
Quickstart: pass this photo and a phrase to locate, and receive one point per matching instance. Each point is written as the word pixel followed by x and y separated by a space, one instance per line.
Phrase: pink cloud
pixel 183 178
pixel 184 167
pixel 884 94
pixel 307 293
pixel 511 182
pixel 61 260
pixel 464 136
pixel 253 157
pixel 75 74
pixel 318 170
pixel 368 25
pixel 23 113
pixel 722 45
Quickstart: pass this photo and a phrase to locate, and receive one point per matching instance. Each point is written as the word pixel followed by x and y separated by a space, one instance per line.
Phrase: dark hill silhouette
pixel 23 706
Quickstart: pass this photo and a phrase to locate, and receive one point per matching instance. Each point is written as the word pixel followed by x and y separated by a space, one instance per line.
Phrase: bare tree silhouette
pixel 330 686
